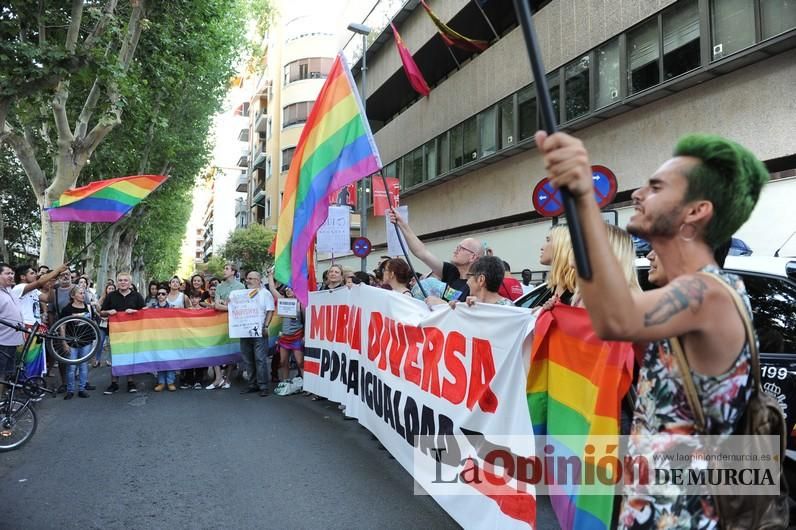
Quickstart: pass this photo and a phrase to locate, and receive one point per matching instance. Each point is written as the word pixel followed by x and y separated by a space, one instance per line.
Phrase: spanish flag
pixel 453 38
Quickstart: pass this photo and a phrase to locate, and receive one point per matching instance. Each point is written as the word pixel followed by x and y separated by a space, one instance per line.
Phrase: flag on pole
pixel 413 73
pixel 103 201
pixel 336 148
pixel 453 38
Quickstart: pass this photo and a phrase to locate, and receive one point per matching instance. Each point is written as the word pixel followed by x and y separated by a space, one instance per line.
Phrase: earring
pixel 689 228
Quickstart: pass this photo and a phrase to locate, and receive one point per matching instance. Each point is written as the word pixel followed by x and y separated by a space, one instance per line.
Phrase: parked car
pixel 771 286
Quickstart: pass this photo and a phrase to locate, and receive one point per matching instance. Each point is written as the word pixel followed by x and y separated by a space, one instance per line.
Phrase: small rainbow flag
pixel 103 201
pixel 336 148
pixel 170 339
pixel 575 386
pixel 34 361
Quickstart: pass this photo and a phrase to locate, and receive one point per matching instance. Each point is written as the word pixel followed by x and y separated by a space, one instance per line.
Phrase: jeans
pixel 255 360
pixel 74 353
pixel 167 377
pixel 103 340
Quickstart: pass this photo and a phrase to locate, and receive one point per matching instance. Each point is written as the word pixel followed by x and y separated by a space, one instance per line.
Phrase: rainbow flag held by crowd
pixel 274 328
pixel 336 148
pixel 575 386
pixel 170 339
pixel 103 201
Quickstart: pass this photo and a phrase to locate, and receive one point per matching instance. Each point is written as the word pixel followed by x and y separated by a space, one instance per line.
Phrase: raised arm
pixel 417 247
pixel 271 283
pixel 44 279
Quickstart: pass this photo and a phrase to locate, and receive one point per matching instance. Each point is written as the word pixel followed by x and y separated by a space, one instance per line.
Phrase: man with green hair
pixel 693 203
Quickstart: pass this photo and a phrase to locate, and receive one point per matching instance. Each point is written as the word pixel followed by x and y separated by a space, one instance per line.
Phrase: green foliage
pixel 249 247
pixel 215 267
pixel 18 207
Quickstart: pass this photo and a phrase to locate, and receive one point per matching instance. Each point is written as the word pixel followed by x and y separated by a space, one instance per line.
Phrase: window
pixel 487 129
pixel 430 159
pixel 680 39
pixel 242 109
pixel 553 84
pixel 456 148
pixel 268 207
pixel 607 62
pixel 576 88
pixel 311 68
pixel 268 169
pixel 732 26
pixel 777 16
pixel 526 105
pixel 470 139
pixel 287 157
pixel 643 52
pixel 443 154
pixel 296 113
pixel 268 129
pixel 413 168
pixel 773 301
pixel 506 122
pixel 393 170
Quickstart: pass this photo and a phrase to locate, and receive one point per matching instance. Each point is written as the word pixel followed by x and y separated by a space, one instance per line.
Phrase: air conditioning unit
pixel 718 51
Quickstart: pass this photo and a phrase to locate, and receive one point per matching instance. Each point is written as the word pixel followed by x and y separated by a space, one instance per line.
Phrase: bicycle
pixel 17 416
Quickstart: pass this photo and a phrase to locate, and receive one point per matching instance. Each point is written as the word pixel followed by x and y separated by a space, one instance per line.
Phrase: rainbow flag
pixel 103 201
pixel 452 37
pixel 170 339
pixel 336 148
pixel 34 361
pixel 575 386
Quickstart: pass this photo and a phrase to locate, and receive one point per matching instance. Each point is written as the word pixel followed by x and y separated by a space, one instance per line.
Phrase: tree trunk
pixel 125 256
pixel 53 241
pixel 89 268
pixel 108 247
pixel 3 248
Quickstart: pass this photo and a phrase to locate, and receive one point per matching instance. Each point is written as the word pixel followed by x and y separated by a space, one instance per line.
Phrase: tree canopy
pixel 249 247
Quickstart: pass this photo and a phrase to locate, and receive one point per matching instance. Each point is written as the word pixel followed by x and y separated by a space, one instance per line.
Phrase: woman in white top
pixel 177 298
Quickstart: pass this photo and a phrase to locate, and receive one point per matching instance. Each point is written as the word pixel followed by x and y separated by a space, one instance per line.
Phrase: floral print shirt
pixel 662 407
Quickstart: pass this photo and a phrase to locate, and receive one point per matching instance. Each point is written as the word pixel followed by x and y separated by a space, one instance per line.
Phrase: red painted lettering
pixel 454 390
pixel 482 371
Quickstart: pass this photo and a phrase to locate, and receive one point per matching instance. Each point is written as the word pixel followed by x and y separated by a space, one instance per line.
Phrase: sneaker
pixel 159 387
pixel 112 389
pixel 69 395
pixel 83 394
pixel 90 387
pixel 61 389
pixel 185 386
pixel 197 386
pixel 280 388
pixel 172 388
pixel 131 388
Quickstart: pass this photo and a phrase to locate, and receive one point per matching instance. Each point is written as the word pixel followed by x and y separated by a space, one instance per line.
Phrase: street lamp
pixel 363 30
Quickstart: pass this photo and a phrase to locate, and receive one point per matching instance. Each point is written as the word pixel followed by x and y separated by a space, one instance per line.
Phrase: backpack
pixel 763 416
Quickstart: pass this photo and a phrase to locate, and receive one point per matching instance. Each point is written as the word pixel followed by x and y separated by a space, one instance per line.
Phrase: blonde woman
pixel 625 252
pixel 562 278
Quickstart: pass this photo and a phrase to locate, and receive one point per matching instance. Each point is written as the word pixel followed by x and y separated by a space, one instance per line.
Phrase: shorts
pixel 294 341
pixel 8 361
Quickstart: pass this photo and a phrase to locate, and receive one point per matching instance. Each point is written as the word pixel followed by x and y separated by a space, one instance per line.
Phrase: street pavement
pixel 206 459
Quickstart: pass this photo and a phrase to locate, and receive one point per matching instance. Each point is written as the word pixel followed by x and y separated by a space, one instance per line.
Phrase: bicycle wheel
pixel 72 331
pixel 17 424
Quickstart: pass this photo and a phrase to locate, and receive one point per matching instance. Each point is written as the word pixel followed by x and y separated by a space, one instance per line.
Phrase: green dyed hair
pixel 728 175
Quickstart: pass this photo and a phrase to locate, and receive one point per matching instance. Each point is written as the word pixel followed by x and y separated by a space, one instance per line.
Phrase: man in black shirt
pixel 454 272
pixel 129 301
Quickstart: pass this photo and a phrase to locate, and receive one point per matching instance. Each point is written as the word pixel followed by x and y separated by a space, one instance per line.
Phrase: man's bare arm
pixel 417 247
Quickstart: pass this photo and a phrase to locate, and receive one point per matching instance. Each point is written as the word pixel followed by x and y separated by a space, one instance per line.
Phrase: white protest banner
pixel 287 307
pixel 334 236
pixel 393 245
pixel 246 316
pixel 403 371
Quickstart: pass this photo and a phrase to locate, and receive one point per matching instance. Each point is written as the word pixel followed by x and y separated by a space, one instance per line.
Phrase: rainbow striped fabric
pixel 103 201
pixel 336 148
pixel 575 386
pixel 170 339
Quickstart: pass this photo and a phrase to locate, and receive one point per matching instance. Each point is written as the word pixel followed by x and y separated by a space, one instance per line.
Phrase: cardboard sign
pixel 246 315
pixel 287 307
pixel 393 245
pixel 334 236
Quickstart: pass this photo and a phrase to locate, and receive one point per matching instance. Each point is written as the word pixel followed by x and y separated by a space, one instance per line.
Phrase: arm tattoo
pixel 685 293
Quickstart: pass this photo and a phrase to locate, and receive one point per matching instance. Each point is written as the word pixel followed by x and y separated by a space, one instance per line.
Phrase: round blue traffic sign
pixel 548 203
pixel 361 247
pixel 604 185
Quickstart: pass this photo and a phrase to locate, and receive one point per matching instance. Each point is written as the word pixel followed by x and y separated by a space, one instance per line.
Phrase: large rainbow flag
pixel 170 339
pixel 336 148
pixel 103 201
pixel 575 386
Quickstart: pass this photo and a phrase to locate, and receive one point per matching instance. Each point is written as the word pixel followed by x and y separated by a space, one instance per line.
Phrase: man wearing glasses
pixel 454 272
pixel 126 300
pixel 254 350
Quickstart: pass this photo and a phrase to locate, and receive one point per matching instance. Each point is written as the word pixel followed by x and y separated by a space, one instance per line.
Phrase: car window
pixel 774 306
pixel 535 298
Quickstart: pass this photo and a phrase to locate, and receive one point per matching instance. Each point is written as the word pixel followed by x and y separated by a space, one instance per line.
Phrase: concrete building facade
pixel 628 78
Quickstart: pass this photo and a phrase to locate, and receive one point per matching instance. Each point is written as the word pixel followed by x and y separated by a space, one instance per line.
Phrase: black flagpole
pixel 549 122
pixel 400 239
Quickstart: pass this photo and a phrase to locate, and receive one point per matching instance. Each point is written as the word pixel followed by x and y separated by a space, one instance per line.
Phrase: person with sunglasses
pixel 454 272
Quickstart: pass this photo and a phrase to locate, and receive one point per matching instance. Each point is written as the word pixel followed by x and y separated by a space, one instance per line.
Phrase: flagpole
pixel 400 239
pixel 549 122
pixel 80 252
pixel 481 9
pixel 455 60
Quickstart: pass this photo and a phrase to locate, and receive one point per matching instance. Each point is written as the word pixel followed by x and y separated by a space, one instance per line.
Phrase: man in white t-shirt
pixel 526 284
pixel 254 350
pixel 27 290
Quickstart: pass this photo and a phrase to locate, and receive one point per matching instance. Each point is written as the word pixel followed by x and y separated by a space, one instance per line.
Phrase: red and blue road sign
pixel 548 203
pixel 361 247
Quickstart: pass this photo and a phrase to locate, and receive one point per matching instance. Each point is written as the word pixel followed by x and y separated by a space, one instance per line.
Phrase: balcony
pixel 261 121
pixel 243 161
pixel 258 195
pixel 243 183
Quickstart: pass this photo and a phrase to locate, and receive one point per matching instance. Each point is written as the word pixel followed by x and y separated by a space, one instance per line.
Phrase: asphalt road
pixel 206 459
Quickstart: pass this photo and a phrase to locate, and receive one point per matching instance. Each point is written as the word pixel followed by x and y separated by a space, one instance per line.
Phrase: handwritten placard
pixel 393 246
pixel 334 236
pixel 287 307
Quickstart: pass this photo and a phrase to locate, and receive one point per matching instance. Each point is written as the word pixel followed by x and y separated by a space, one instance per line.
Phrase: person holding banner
pixel 694 202
pixel 291 339
pixel 484 280
pixel 229 284
pixel 126 300
pixel 397 276
pixel 254 350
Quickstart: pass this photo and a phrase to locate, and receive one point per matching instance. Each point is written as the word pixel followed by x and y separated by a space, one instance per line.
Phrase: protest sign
pixel 402 370
pixel 334 236
pixel 246 315
pixel 393 245
pixel 287 307
pixel 380 203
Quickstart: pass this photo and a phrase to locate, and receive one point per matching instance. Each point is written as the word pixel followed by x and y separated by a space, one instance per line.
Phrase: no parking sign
pixel 548 203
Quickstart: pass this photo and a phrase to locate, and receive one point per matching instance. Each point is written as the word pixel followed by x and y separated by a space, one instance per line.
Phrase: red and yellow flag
pixel 453 38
